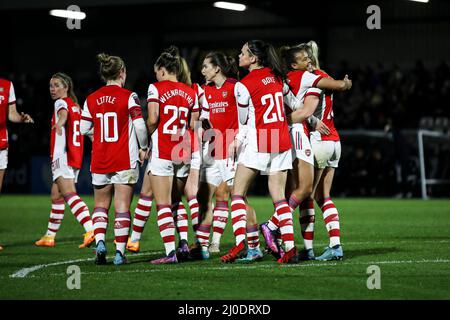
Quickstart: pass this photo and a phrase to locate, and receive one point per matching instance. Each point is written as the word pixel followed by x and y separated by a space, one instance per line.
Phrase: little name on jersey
pixel 268 80
pixel 175 92
pixel 106 99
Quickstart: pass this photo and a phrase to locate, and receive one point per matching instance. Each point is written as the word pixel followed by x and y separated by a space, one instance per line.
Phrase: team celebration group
pixel 205 142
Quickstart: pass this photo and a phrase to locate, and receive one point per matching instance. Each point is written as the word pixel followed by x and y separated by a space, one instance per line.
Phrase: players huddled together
pixel 205 142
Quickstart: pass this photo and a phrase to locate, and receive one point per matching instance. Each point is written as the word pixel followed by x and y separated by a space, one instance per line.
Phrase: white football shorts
pixel 60 168
pixel 267 163
pixel 167 168
pixel 130 176
pixel 301 145
pixel 222 170
pixel 3 159
pixel 326 153
pixel 196 160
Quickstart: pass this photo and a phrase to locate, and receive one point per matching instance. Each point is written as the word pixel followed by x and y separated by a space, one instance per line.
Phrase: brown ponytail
pixel 267 57
pixel 170 59
pixel 110 66
pixel 227 64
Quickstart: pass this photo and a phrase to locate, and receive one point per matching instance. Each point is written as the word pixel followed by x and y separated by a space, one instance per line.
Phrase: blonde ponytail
pixel 314 53
pixel 185 74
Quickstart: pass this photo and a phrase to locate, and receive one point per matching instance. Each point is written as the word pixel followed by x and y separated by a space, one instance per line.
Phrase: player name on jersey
pixel 268 80
pixel 106 99
pixel 176 92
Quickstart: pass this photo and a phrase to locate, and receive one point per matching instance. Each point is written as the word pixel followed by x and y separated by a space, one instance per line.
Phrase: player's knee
pixel 304 191
pixel 222 195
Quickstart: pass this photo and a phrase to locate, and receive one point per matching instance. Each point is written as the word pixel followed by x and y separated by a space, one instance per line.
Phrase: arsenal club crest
pixel 224 94
pixel 308 152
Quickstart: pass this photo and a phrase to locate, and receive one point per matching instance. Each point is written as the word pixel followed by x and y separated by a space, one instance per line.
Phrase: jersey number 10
pixel 108 120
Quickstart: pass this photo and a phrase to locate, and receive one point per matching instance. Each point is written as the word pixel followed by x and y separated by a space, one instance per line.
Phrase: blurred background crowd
pixel 401 76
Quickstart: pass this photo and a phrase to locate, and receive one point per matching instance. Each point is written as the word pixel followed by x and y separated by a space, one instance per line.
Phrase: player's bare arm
pixel 62 115
pixel 335 85
pixel 17 117
pixel 194 123
pixel 153 117
pixel 310 105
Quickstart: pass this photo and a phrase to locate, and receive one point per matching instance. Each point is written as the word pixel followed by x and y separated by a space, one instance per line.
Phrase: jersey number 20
pixel 273 101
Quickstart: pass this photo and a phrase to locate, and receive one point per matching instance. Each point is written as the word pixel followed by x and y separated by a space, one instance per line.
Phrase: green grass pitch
pixel 408 240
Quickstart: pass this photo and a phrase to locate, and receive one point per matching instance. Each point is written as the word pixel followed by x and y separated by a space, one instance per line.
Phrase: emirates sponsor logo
pixel 221 104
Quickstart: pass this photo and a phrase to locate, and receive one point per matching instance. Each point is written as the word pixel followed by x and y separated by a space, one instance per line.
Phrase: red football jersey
pixel 302 83
pixel 200 94
pixel 325 113
pixel 7 97
pixel 176 101
pixel 262 93
pixel 112 110
pixel 71 141
pixel 222 107
pixel 195 143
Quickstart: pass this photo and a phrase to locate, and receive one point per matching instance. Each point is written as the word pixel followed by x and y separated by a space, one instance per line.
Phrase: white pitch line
pixel 255 266
pixel 22 273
